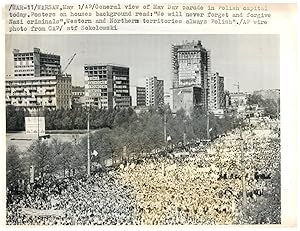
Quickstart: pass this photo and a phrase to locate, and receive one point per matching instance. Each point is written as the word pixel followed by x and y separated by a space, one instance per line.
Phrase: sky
pixel 251 60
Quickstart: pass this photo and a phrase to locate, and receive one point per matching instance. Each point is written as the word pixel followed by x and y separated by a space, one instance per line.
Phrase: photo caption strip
pixel 95 18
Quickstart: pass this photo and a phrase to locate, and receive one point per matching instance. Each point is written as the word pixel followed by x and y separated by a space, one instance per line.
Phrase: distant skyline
pixel 251 60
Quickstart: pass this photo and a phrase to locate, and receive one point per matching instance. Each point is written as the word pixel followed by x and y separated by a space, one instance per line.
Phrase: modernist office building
pixel 140 96
pixel 216 92
pixel 107 86
pixel 35 64
pixel 154 92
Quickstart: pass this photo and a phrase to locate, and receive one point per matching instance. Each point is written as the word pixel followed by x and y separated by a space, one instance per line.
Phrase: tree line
pixel 271 107
pixel 139 133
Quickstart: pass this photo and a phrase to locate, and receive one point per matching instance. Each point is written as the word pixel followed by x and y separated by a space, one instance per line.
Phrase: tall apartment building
pixel 52 92
pixel 38 82
pixel 140 96
pixel 35 64
pixel 107 86
pixel 154 92
pixel 216 92
pixel 191 66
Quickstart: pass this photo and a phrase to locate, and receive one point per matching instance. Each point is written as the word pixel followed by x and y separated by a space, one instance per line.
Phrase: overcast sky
pixel 251 60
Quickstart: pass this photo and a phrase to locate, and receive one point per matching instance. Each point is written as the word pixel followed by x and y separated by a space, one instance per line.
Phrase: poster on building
pixel 35 125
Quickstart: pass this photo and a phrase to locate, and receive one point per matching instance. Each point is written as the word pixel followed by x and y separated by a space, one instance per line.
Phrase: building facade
pixel 36 64
pixel 154 92
pixel 191 66
pixel 140 96
pixel 187 98
pixel 78 97
pixel 51 92
pixel 38 82
pixel 107 86
pixel 216 92
pixel 238 99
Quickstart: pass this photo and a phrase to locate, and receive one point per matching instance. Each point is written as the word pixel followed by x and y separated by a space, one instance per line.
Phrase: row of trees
pixel 271 106
pixel 15 118
pixel 62 119
pixel 140 133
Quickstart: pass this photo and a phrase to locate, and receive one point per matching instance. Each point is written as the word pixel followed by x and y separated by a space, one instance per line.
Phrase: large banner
pixel 43 212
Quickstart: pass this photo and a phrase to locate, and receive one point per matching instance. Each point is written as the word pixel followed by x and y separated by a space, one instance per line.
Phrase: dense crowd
pixel 207 188
pixel 99 200
pixel 204 187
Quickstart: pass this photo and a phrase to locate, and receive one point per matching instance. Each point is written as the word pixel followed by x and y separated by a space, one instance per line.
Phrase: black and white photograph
pixel 143 129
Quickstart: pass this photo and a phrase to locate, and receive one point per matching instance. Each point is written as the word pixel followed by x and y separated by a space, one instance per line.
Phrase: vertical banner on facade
pixel 35 124
pixel 31 174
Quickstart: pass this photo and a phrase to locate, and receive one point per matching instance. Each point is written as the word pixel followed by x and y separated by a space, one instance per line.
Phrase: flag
pixel 94 153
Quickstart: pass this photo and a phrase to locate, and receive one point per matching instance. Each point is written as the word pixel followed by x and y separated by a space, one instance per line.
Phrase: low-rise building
pixel 78 98
pixel 187 98
pixel 51 92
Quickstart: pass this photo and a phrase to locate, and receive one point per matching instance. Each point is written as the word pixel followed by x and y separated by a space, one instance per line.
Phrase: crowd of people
pixel 99 200
pixel 206 187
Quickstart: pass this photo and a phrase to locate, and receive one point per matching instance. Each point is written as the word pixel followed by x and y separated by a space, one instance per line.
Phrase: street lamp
pixel 88 142
pixel 38 120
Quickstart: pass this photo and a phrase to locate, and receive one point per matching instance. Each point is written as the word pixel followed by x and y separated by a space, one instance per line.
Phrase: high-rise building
pixel 154 92
pixel 140 96
pixel 191 67
pixel 107 86
pixel 35 64
pixel 216 92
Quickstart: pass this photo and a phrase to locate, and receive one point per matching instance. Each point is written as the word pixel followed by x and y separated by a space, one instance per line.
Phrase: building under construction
pixel 38 82
pixel 191 67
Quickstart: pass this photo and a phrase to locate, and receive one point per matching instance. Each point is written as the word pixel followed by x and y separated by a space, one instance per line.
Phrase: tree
pixel 41 157
pixel 14 167
pixel 15 118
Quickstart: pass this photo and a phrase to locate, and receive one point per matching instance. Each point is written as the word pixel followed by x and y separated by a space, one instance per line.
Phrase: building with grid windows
pixel 154 92
pixel 216 92
pixel 35 63
pixel 52 92
pixel 140 96
pixel 38 82
pixel 107 86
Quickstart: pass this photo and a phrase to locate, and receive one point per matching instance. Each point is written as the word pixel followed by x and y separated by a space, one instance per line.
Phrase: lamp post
pixel 244 202
pixel 165 127
pixel 88 143
pixel 38 120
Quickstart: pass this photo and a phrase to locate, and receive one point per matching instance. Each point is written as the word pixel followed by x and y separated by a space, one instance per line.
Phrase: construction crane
pixel 238 86
pixel 68 64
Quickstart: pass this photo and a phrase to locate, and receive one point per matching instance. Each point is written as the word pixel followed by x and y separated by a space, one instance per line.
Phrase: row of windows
pixel 24 54
pixel 26 70
pixel 23 74
pixel 23 58
pixel 64 91
pixel 95 68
